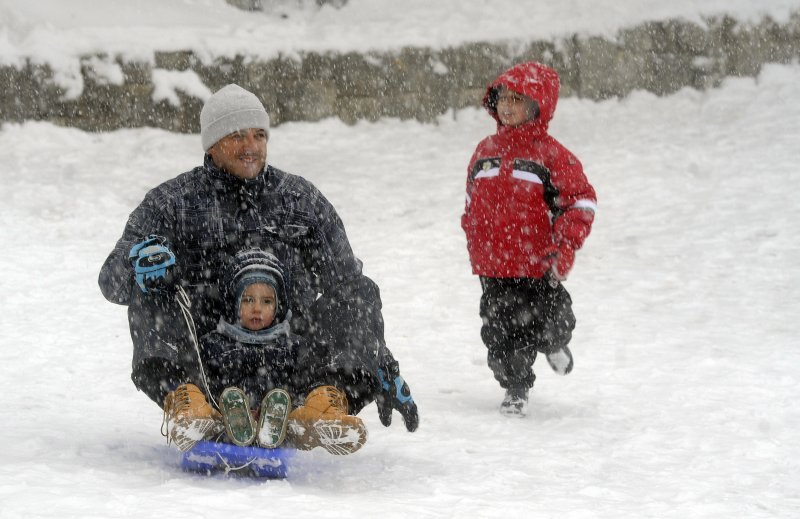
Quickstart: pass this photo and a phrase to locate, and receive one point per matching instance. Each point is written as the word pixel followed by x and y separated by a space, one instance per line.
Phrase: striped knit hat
pixel 254 266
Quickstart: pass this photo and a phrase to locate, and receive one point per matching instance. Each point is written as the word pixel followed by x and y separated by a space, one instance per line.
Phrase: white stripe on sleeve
pixel 587 205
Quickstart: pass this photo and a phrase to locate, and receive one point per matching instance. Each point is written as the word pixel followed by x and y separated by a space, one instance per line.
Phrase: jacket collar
pixel 524 133
pixel 240 334
pixel 226 182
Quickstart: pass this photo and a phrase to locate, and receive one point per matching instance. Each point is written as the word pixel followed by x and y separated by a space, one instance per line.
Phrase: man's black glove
pixel 395 394
pixel 153 264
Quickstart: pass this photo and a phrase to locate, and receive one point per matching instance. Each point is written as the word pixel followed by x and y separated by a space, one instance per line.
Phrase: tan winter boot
pixel 192 418
pixel 323 422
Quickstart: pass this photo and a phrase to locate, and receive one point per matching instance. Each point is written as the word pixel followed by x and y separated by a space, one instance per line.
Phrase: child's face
pixel 514 109
pixel 257 307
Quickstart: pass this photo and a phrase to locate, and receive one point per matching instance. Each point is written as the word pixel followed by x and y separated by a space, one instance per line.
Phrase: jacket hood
pixel 534 80
pixel 254 266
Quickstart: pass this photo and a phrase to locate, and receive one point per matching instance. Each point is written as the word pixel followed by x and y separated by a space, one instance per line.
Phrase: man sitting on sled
pixel 165 269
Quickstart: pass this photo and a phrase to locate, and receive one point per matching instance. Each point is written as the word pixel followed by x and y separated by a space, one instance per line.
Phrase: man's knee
pixel 156 377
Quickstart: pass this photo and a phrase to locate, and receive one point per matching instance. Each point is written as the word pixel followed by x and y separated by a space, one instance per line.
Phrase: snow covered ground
pixel 683 402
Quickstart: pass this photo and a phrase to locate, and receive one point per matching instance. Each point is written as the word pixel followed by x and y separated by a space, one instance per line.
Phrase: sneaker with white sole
pixel 239 422
pixel 515 403
pixel 560 360
pixel 275 409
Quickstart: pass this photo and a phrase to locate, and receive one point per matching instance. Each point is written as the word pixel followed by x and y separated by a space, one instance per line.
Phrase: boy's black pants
pixel 522 316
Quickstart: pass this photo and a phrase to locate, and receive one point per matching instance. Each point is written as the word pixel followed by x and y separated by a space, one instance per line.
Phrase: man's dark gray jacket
pixel 207 215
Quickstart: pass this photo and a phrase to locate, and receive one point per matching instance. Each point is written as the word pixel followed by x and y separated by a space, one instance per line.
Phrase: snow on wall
pixel 167 91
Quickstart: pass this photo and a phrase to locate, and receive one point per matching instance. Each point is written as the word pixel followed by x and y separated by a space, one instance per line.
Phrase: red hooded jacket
pixel 527 194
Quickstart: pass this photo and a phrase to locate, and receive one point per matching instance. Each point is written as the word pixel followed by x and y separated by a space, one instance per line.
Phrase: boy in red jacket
pixel 529 207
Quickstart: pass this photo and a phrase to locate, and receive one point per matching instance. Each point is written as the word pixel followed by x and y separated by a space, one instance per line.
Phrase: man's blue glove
pixel 153 264
pixel 395 394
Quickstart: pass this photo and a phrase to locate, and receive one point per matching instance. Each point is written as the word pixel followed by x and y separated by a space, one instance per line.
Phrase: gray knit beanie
pixel 230 109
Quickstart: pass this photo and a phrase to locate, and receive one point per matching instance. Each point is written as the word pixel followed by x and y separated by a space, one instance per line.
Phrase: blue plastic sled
pixel 213 457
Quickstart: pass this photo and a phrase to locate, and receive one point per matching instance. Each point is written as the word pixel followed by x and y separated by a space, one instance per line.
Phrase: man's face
pixel 243 153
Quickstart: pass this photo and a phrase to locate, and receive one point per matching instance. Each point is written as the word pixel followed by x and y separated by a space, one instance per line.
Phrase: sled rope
pixel 229 468
pixel 186 304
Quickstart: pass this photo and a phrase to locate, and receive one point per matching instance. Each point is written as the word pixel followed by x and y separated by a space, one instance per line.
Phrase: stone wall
pixel 418 83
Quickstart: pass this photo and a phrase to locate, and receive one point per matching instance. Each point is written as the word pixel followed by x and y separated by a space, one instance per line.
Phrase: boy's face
pixel 514 109
pixel 257 307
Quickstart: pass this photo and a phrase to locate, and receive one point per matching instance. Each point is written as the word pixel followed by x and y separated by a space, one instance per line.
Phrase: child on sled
pixel 254 358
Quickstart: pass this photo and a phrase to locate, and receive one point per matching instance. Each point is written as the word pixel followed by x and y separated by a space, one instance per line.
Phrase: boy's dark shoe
pixel 272 422
pixel 560 360
pixel 515 403
pixel 239 423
